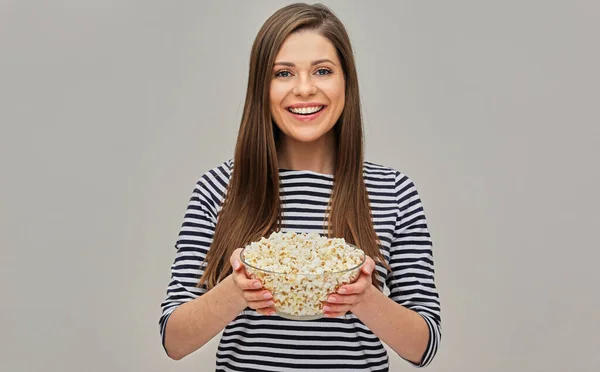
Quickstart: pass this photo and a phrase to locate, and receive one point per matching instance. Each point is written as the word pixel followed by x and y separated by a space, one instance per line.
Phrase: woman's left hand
pixel 348 296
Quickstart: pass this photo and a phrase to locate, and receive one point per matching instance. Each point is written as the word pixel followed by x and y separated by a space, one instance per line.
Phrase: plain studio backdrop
pixel 111 110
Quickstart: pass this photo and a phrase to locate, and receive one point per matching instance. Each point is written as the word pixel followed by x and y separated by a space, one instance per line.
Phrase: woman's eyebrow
pixel 318 61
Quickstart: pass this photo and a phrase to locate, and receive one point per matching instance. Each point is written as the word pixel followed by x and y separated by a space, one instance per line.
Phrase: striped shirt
pixel 253 342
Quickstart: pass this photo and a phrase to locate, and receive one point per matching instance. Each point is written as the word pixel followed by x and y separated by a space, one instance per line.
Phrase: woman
pixel 299 166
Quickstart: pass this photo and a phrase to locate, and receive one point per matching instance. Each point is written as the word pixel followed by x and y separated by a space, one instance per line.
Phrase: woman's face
pixel 307 92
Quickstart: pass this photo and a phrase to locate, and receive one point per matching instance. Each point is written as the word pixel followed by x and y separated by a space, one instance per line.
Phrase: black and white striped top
pixel 253 342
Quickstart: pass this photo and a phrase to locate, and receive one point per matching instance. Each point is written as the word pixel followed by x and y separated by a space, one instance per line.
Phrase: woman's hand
pixel 348 296
pixel 256 297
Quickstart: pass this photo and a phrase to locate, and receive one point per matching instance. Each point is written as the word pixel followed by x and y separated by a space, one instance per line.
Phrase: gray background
pixel 110 111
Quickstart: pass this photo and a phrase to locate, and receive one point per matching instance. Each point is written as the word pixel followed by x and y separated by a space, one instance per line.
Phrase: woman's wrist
pixel 235 293
pixel 369 296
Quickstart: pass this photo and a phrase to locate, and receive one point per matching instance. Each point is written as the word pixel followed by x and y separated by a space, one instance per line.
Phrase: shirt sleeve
pixel 411 281
pixel 194 239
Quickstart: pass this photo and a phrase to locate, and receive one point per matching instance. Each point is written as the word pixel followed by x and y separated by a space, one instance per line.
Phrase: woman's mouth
pixel 307 113
pixel 305 110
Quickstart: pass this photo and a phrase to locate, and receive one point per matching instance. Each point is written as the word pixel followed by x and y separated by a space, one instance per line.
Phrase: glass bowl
pixel 301 296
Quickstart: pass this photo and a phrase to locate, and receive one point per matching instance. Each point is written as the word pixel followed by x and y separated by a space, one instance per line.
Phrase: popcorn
pixel 302 270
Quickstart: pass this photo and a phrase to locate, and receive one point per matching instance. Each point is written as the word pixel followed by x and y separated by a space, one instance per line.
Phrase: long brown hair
pixel 251 208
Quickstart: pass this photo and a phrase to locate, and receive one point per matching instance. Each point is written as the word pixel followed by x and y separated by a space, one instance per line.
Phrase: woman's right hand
pixel 256 296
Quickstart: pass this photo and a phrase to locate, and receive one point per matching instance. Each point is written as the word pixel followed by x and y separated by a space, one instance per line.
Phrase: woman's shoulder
pixel 216 178
pixel 221 170
pixel 382 171
pixel 383 174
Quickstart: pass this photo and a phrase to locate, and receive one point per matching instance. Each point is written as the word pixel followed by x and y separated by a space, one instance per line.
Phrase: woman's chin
pixel 307 135
pixel 305 139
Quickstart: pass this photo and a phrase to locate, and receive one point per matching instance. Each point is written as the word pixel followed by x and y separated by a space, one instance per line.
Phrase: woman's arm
pixel 404 330
pixel 410 319
pixel 192 315
pixel 194 323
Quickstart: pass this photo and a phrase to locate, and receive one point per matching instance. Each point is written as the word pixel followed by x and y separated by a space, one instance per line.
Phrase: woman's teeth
pixel 305 110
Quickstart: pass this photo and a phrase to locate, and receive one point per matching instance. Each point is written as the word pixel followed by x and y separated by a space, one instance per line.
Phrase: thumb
pixel 369 266
pixel 235 259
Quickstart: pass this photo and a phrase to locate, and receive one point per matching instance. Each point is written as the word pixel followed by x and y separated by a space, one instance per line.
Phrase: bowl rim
pixel 364 259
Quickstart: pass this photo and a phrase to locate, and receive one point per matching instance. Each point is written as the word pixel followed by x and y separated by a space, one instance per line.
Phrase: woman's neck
pixel 317 156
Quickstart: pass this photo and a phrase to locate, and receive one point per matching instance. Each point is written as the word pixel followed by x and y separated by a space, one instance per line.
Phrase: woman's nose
pixel 305 87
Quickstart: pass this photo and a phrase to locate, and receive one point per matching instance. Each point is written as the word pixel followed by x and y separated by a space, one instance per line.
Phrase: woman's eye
pixel 283 74
pixel 323 71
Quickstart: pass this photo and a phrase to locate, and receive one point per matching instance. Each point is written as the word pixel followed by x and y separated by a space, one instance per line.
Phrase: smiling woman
pixel 299 167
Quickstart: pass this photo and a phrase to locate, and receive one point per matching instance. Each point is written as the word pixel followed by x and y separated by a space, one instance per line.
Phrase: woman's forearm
pixel 196 322
pixel 402 329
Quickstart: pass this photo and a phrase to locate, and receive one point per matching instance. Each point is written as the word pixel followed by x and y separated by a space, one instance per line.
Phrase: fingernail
pixel 368 270
pixel 270 303
pixel 332 299
pixel 257 285
pixel 236 265
pixel 342 291
pixel 266 296
pixel 326 308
